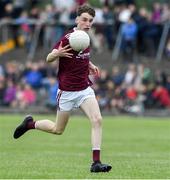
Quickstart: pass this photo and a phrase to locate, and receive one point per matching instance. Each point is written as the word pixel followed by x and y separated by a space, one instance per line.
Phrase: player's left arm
pixel 94 70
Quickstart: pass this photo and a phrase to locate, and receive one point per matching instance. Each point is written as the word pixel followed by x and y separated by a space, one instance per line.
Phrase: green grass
pixel 135 147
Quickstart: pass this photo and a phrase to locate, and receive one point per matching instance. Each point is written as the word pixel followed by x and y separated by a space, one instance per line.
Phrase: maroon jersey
pixel 73 72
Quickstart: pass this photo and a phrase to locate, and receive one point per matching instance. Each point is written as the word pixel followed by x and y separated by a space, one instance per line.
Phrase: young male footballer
pixel 74 90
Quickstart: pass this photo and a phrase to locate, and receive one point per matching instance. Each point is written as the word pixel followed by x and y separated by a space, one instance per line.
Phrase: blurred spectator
pixel 160 77
pixel 49 15
pixel 29 96
pixel 67 6
pixel 108 28
pixel 19 96
pixel 51 86
pixel 165 13
pixel 34 77
pixel 130 75
pixel 35 13
pixel 118 99
pixel 156 13
pixel 10 93
pixel 134 13
pixel 116 76
pixel 161 96
pixel 3 3
pixel 131 93
pixel 101 88
pixel 26 29
pixel 25 96
pixel 9 10
pixel 97 40
pixel 149 33
pixel 98 19
pixel 124 14
pixel 103 79
pixel 2 92
pixel 129 36
pixel 19 6
pixel 12 71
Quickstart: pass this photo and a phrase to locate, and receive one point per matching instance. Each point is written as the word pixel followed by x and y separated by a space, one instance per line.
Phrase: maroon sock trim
pixel 96 155
pixel 31 125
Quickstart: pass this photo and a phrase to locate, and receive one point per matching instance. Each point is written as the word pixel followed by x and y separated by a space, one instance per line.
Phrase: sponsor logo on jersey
pixel 83 55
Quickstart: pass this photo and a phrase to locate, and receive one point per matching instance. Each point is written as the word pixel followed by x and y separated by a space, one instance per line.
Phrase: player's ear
pixel 77 20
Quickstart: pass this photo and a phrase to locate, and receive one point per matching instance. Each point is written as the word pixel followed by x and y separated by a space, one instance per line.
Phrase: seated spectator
pixel 19 95
pixel 52 89
pixel 161 96
pixel 2 85
pixel 131 93
pixel 34 77
pixel 117 100
pixel 117 77
pixel 29 95
pixel 103 79
pixel 25 96
pixel 10 93
pixel 130 75
pixel 51 86
pixel 12 71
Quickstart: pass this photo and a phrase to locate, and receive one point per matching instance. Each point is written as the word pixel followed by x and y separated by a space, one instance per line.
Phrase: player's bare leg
pixel 91 108
pixel 43 125
pixel 54 127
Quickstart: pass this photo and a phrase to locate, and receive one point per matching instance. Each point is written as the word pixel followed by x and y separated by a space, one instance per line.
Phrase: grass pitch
pixel 135 147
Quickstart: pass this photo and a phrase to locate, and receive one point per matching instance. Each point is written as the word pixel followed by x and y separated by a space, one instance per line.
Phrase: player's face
pixel 84 22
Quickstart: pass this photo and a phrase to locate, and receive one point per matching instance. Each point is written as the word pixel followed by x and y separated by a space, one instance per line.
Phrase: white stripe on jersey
pixel 67 35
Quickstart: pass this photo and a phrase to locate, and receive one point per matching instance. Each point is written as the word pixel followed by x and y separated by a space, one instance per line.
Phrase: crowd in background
pixel 135 89
pixel 141 28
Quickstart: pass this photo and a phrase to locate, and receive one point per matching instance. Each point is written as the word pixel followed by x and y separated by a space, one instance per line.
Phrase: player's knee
pixel 96 121
pixel 58 131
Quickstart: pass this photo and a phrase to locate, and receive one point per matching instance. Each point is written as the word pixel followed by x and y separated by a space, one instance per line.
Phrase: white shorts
pixel 70 100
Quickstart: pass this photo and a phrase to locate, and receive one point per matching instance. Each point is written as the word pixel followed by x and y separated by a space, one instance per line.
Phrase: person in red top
pixel 74 90
pixel 161 94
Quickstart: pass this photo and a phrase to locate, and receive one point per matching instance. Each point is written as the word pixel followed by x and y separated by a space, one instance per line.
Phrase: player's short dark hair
pixel 86 9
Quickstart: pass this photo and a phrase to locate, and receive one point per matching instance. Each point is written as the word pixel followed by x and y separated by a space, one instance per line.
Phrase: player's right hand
pixel 64 51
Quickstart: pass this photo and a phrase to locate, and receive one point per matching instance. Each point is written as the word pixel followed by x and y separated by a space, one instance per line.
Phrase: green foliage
pixel 148 3
pixel 137 148
pixel 94 3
